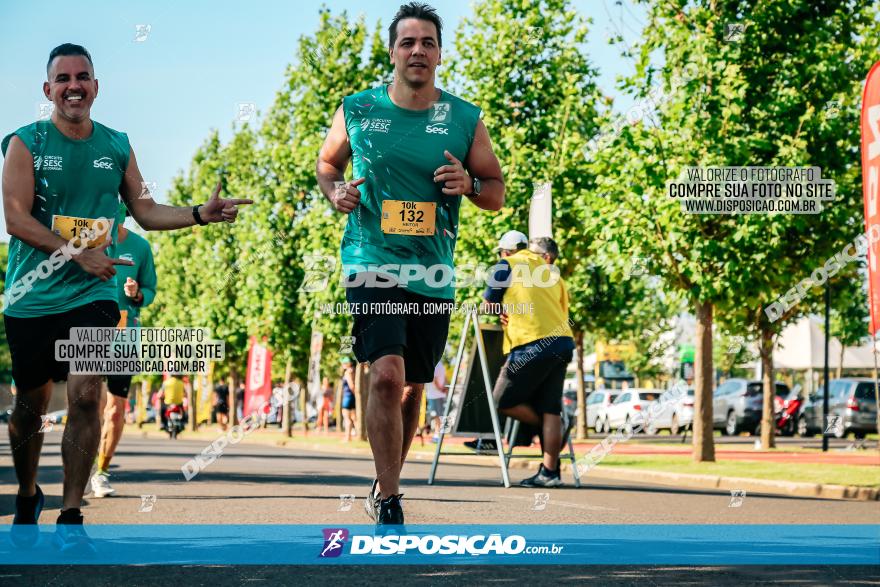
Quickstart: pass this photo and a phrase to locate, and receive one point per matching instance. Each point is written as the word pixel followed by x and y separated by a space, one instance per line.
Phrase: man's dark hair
pixel 66 50
pixel 544 246
pixel 419 11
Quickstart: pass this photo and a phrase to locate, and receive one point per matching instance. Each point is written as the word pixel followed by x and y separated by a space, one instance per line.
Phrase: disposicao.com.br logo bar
pixel 334 544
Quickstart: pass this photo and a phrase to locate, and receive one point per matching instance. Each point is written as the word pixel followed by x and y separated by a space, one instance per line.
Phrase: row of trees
pixel 761 100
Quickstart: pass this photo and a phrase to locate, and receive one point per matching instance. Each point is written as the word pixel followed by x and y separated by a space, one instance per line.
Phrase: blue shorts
pixel 436 406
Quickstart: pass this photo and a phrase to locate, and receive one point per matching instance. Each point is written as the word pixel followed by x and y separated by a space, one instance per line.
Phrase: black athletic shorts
pixel 119 385
pixel 32 340
pixel 534 374
pixel 394 321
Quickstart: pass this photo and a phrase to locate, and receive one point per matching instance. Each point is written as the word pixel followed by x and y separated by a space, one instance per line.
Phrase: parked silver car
pixel 675 413
pixel 630 409
pixel 737 405
pixel 852 407
pixel 597 407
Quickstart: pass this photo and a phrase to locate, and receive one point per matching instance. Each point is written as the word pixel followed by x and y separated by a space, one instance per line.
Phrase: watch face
pixel 477 186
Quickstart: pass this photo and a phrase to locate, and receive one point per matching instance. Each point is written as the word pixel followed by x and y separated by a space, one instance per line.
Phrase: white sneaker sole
pixel 103 492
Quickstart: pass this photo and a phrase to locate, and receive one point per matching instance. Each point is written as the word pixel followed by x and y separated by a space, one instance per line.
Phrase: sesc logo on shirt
pixel 436 129
pixel 103 163
pixel 48 163
pixel 382 125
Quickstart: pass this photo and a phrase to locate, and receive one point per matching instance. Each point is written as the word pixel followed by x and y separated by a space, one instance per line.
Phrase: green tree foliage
pixel 752 102
pixel 247 281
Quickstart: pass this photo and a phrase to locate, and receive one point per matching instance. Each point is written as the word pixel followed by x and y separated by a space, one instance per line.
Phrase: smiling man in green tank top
pixel 417 152
pixel 62 181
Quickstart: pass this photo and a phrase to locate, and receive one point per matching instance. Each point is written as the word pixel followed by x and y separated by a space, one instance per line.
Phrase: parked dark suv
pixel 852 407
pixel 737 405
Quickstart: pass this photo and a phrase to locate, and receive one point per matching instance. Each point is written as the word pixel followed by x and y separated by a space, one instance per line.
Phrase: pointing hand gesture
pixel 218 209
pixel 96 262
pixel 458 182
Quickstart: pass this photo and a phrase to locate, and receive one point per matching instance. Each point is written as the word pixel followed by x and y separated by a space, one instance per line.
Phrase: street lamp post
pixel 825 376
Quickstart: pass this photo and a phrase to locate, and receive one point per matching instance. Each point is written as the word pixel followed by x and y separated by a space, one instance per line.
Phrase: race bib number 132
pixel 410 218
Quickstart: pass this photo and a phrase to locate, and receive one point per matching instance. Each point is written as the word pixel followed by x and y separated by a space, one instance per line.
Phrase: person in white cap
pixel 538 347
pixel 511 242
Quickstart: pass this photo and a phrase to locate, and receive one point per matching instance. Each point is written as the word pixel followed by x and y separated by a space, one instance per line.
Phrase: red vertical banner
pixel 258 384
pixel 871 187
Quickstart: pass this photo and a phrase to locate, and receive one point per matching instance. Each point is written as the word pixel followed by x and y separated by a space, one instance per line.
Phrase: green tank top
pixel 136 249
pixel 75 182
pixel 397 151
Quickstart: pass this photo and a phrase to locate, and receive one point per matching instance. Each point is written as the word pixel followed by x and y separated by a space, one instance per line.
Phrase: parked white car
pixel 630 408
pixel 597 406
pixel 676 412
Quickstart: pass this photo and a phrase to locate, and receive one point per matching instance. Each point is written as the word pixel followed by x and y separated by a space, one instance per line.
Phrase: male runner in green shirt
pixel 135 289
pixel 62 179
pixel 416 150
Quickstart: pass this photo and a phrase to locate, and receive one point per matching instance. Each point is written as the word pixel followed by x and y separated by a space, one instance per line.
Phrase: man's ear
pixel 46 90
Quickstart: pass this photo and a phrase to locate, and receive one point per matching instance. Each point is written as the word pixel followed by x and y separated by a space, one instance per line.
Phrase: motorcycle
pixel 787 417
pixel 785 413
pixel 174 420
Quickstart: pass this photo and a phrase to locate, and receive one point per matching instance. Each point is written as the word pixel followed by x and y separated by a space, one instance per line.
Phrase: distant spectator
pixel 326 406
pixel 436 393
pixel 221 404
pixel 348 398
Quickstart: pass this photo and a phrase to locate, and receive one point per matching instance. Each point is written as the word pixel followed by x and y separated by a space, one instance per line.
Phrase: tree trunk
pixel 361 397
pixel 193 405
pixel 232 384
pixel 840 362
pixel 704 442
pixel 285 397
pixel 303 405
pixel 768 419
pixel 582 429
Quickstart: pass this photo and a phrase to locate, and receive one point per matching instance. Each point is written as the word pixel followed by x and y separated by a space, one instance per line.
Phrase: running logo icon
pixel 541 500
pixel 147 503
pixel 334 538
pixel 440 111
pixel 345 502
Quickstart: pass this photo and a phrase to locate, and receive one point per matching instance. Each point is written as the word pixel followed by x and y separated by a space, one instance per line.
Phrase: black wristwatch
pixel 198 218
pixel 475 191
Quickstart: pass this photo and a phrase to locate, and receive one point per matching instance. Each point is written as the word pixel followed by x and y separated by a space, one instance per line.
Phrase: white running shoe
pixel 101 485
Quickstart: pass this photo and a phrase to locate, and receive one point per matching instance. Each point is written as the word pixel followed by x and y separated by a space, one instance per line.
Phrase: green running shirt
pixel 135 248
pixel 72 178
pixel 397 151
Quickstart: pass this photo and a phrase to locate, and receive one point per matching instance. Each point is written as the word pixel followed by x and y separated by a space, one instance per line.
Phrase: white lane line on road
pixel 565 504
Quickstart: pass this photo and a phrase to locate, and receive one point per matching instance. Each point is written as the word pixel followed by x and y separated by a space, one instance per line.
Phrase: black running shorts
pixel 119 385
pixel 534 374
pixel 394 321
pixel 32 341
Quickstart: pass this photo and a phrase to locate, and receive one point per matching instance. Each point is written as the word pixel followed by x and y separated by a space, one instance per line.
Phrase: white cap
pixel 511 239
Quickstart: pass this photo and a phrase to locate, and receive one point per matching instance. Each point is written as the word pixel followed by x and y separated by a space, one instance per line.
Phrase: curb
pixel 785 488
pixel 685 480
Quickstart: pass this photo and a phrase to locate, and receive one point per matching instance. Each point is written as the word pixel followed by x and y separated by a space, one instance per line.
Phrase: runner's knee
pixel 386 382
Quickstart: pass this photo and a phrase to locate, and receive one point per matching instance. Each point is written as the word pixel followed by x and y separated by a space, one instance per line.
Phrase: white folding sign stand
pixel 471 318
